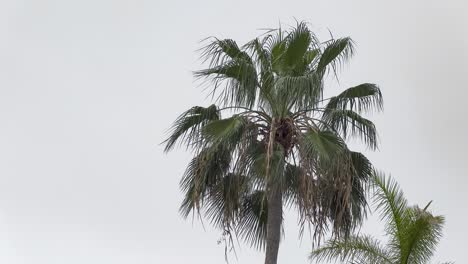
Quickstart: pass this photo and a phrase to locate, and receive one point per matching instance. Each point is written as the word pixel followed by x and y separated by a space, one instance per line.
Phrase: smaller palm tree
pixel 413 233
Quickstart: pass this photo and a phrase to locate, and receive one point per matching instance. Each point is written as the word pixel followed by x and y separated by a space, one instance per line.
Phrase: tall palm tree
pixel 413 233
pixel 271 139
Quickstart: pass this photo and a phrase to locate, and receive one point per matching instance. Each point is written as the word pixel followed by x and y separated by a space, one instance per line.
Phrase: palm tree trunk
pixel 275 217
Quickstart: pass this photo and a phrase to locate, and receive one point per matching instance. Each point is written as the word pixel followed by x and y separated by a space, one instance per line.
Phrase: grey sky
pixel 88 88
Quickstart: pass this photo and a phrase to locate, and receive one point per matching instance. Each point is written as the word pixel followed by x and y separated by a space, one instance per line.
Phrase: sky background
pixel 88 89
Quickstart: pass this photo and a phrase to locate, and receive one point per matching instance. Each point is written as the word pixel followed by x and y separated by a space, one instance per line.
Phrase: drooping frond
pixel 187 126
pixel 350 123
pixel 252 226
pixel 357 250
pixel 363 171
pixel 361 98
pixel 223 201
pixel 335 53
pixel 295 180
pixel 362 166
pixel 204 171
pixel 276 166
pixel 340 193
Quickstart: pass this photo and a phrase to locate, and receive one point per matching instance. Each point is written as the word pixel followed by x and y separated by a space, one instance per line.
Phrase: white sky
pixel 88 88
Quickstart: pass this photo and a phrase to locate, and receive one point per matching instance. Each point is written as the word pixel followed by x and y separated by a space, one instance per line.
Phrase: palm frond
pixel 359 250
pixel 293 175
pixel 276 166
pixel 392 204
pixel 298 42
pixel 299 92
pixel 323 144
pixel 311 55
pixel 362 174
pixel 226 131
pixel 204 171
pixel 350 123
pixel 277 46
pixel 223 201
pixel 187 126
pixel 239 78
pixel 421 236
pixel 335 53
pixel 364 97
pixel 252 226
pixel 263 58
pixel 218 51
pixel 336 183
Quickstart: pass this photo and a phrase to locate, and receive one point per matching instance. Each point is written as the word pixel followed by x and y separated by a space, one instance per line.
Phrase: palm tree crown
pixel 272 140
pixel 413 232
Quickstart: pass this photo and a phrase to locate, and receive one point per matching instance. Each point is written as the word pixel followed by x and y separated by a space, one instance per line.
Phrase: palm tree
pixel 271 139
pixel 413 233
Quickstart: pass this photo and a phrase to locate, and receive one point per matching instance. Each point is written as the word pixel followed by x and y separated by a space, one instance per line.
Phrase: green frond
pixel 358 250
pixel 362 174
pixel 219 51
pixel 204 171
pixel 341 188
pixel 239 78
pixel 298 91
pixel 421 236
pixel 263 58
pixel 301 193
pixel 293 176
pixel 362 166
pixel 310 56
pixel 350 123
pixel 335 53
pixel 252 226
pixel 277 164
pixel 298 42
pixel 238 135
pixel 226 131
pixel 364 97
pixel 392 204
pixel 223 201
pixel 323 144
pixel 187 126
pixel 277 50
pixel 414 232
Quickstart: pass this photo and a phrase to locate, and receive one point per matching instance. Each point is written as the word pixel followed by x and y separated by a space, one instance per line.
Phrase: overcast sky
pixel 88 89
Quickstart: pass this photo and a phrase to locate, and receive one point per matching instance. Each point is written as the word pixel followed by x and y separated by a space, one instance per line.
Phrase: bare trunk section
pixel 275 216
